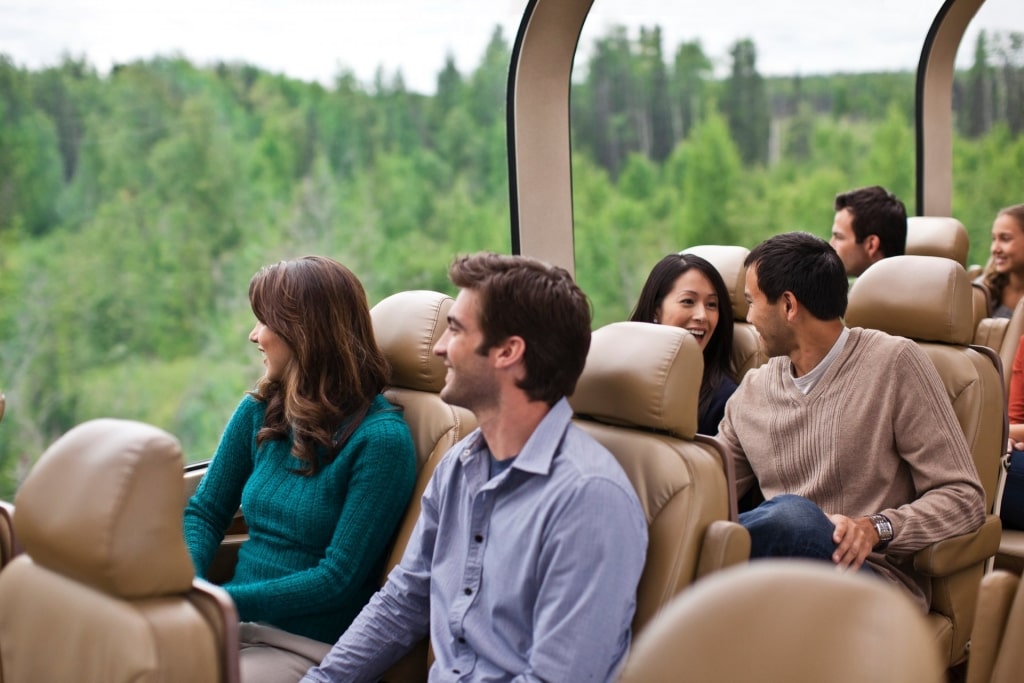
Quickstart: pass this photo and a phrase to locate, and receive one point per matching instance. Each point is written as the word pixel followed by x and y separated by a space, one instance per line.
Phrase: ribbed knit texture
pixel 316 544
pixel 876 434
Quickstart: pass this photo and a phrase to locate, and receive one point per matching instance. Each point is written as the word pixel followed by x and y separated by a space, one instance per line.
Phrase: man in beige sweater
pixel 848 432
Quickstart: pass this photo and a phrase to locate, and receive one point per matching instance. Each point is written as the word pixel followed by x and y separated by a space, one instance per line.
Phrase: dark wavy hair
pixel 524 297
pixel 717 353
pixel 318 308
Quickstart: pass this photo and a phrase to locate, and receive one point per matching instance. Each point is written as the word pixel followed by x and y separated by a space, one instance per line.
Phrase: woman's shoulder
pixel 249 407
pixel 384 416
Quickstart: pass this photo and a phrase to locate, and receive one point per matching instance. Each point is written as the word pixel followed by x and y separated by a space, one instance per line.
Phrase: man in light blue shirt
pixel 525 560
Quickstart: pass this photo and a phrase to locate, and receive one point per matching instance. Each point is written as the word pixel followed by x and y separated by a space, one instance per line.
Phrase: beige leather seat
pixel 996 652
pixel 638 397
pixel 947 237
pixel 728 260
pixel 928 299
pixel 8 544
pixel 786 621
pixel 407 325
pixel 104 591
pixel 938 236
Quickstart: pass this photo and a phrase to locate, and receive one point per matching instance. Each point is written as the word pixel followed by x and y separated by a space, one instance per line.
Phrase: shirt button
pixel 462 641
pixel 478 538
pixel 468 591
pixel 456 671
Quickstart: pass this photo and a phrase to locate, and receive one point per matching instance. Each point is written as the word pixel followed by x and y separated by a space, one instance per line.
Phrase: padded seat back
pixel 928 299
pixel 104 590
pixel 779 621
pixel 407 325
pixel 641 404
pixel 8 544
pixel 996 652
pixel 938 236
pixel 947 237
pixel 728 260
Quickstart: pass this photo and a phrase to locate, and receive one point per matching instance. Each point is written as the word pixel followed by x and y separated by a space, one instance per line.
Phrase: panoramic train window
pixel 988 111
pixel 151 160
pixel 723 123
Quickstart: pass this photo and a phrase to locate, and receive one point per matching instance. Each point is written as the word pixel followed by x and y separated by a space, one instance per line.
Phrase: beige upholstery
pixel 728 260
pixel 938 236
pixel 104 591
pixel 407 325
pixel 638 397
pixel 1013 329
pixel 928 299
pixel 947 237
pixel 786 621
pixel 8 544
pixel 996 652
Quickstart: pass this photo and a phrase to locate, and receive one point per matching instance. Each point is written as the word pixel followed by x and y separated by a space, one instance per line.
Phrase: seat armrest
pixel 960 552
pixel 725 544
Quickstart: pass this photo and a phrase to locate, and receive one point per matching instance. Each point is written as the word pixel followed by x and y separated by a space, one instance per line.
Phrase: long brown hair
pixel 318 308
pixel 993 279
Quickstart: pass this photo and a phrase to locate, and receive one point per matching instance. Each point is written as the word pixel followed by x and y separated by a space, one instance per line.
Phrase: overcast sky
pixel 312 39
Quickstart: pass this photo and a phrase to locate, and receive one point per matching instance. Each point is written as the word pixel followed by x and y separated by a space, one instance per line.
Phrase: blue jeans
pixel 789 526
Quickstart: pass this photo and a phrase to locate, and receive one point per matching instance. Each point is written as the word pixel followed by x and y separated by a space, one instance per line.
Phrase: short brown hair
pixel 876 211
pixel 524 297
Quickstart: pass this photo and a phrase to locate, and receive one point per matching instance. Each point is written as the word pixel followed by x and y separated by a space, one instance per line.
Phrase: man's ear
pixel 510 352
pixel 873 246
pixel 790 305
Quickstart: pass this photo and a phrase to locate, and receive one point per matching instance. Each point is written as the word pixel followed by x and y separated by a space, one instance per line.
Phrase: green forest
pixel 136 204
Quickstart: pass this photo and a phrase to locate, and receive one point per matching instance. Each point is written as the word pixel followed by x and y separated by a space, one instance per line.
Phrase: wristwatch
pixel 884 528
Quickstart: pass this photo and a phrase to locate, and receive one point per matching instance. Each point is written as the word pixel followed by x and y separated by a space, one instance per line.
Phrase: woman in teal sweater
pixel 321 464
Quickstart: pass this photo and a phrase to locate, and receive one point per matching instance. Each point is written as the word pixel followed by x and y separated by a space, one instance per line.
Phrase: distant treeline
pixel 135 205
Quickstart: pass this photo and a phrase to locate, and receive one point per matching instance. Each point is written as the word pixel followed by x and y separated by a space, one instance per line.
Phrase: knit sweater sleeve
pixel 215 502
pixel 951 500
pixel 382 477
pixel 728 438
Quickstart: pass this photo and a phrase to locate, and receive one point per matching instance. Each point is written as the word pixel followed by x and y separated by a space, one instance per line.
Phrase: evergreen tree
pixel 745 104
pixel 690 78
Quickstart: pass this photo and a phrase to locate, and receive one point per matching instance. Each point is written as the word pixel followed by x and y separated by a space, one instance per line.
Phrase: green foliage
pixel 135 206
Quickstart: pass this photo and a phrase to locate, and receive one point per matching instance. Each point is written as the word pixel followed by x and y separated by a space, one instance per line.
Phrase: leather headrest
pixel 728 261
pixel 837 627
pixel 938 236
pixel 642 375
pixel 926 298
pixel 407 325
pixel 103 506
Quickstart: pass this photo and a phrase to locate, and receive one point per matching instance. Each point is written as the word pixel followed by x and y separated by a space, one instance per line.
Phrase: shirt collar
pixel 540 449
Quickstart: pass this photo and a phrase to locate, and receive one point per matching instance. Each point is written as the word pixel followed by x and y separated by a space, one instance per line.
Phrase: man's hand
pixel 854 539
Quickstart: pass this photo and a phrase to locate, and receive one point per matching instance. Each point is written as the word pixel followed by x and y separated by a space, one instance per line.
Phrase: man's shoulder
pixel 876 344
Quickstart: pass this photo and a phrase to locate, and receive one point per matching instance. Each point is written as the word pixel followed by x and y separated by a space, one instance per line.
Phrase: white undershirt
pixel 808 381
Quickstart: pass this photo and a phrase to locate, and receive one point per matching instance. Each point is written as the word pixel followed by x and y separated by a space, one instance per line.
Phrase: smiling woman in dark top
pixel 687 291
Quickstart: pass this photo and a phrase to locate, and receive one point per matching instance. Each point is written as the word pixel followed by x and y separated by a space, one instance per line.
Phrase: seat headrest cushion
pixel 938 236
pixel 728 261
pixel 407 325
pixel 925 298
pixel 642 375
pixel 103 506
